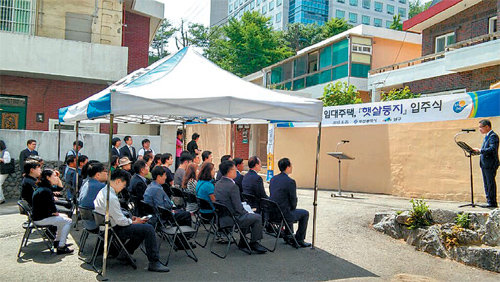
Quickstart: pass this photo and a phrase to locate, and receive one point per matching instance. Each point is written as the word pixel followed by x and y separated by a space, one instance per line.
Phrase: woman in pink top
pixel 178 148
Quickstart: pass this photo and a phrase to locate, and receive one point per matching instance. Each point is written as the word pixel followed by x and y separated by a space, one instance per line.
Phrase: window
pixel 402 1
pixel 379 6
pixel 264 9
pixel 492 25
pixel 358 48
pixel 388 24
pixel 444 40
pixel 353 18
pixel 252 4
pixel 278 17
pixel 18 16
pixel 365 20
pixel 353 2
pixel 230 8
pixel 339 14
pixel 390 9
pixel 258 2
pixel 402 12
pixel 377 22
pixel 341 1
pixel 271 5
pixel 366 4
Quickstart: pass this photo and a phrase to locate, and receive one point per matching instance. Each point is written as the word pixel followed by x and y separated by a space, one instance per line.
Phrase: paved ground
pixel 347 248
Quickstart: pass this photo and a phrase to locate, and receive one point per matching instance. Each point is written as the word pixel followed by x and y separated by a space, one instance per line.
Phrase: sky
pixel 193 11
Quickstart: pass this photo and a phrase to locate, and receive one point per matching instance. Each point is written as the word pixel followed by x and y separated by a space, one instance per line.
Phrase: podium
pixel 340 156
pixel 468 152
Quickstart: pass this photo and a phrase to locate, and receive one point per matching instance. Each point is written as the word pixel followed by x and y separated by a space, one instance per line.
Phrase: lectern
pixel 469 152
pixel 340 156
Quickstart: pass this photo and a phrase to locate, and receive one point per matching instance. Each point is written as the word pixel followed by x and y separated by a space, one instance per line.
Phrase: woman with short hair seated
pixel 45 212
pixel 205 188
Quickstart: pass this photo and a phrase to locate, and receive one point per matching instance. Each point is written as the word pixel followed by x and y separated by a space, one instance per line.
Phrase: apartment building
pixel 56 53
pixel 460 49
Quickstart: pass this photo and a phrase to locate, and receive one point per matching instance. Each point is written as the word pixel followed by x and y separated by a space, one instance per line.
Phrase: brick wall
pixel 470 23
pixel 136 38
pixel 474 80
pixel 46 96
pixel 240 149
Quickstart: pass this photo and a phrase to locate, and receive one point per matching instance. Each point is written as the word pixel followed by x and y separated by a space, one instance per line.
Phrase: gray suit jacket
pixel 228 194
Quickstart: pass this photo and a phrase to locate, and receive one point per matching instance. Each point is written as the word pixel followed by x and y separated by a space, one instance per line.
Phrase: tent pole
pixel 59 145
pixel 76 174
pixel 233 139
pixel 184 136
pixel 316 180
pixel 108 187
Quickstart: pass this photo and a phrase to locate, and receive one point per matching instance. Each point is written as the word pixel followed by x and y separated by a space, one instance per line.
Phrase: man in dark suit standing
pixel 116 142
pixel 252 183
pixel 227 193
pixel 138 183
pixel 127 150
pixel 29 151
pixel 489 162
pixel 283 191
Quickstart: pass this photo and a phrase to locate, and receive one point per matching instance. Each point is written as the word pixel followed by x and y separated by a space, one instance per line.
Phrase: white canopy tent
pixel 188 85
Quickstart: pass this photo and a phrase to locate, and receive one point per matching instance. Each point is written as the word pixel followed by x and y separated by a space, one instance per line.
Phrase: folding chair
pixel 86 214
pixel 177 192
pixel 252 201
pixel 173 231
pixel 113 239
pixel 222 211
pixel 273 216
pixel 42 230
pixel 202 219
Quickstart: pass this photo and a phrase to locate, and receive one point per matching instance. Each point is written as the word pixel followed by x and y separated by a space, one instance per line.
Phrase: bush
pixel 398 94
pixel 462 220
pixel 420 215
pixel 339 94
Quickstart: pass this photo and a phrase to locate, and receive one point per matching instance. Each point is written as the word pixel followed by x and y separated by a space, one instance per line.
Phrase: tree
pixel 298 35
pixel 182 40
pixel 333 27
pixel 399 94
pixel 158 48
pixel 396 23
pixel 340 94
pixel 247 45
pixel 416 7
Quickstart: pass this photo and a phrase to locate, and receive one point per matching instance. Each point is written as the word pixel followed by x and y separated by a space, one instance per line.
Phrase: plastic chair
pixel 273 216
pixel 86 214
pixel 43 230
pixel 204 218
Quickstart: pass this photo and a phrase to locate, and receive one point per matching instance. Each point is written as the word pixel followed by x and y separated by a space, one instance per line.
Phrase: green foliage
pixel 462 220
pixel 420 215
pixel 247 45
pixel 398 94
pixel 298 35
pixel 158 48
pixel 396 23
pixel 417 7
pixel 340 94
pixel 333 27
pixel 399 212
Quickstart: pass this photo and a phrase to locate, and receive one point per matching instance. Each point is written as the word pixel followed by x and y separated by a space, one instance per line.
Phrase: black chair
pixel 222 211
pixel 42 230
pixel 252 201
pixel 204 219
pixel 273 217
pixel 86 214
pixel 173 232
pixel 113 239
pixel 177 193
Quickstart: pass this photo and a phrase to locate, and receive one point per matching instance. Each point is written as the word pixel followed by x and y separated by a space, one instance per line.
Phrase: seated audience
pixel 138 183
pixel 114 162
pixel 239 177
pixel 283 191
pixel 252 182
pixel 45 212
pixel 32 171
pixel 156 161
pixel 148 158
pixel 205 187
pixel 223 159
pixel 125 164
pixel 70 176
pixel 189 185
pixel 186 159
pixel 227 193
pixel 132 231
pixel 97 176
pixel 206 156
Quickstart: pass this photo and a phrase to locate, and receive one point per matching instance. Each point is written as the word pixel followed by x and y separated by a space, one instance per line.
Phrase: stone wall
pixel 12 185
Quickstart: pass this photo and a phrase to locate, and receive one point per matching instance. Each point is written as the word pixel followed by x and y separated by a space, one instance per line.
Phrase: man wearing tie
pixel 127 150
pixel 29 151
pixel 116 142
pixel 489 162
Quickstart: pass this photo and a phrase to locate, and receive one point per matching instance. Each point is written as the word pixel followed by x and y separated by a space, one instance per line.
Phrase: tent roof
pixel 187 85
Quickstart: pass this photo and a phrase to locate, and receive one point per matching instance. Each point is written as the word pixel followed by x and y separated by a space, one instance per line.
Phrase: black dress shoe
pixel 64 250
pixel 56 244
pixel 242 245
pixel 303 244
pixel 257 248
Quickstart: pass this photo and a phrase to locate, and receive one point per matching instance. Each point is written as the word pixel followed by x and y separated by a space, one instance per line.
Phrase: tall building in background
pixel 282 12
pixel 218 12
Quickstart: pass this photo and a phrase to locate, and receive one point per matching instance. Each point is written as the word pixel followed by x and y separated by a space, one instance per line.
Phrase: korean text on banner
pixel 270 152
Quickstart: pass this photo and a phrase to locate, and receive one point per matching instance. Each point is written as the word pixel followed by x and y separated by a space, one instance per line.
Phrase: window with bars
pixel 17 16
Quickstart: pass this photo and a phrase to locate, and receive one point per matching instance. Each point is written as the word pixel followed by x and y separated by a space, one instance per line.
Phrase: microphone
pixel 345 141
pixel 468 130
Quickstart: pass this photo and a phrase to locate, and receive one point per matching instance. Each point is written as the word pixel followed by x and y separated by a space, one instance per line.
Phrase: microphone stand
pixel 340 169
pixel 468 154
